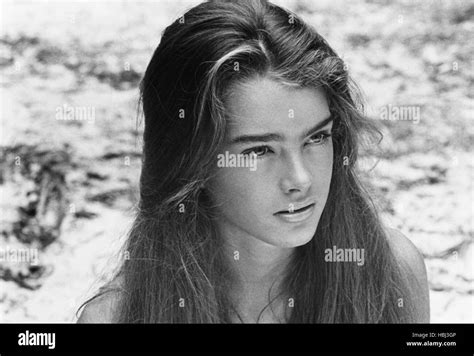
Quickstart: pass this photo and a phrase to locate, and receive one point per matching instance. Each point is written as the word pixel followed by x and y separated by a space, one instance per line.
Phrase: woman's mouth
pixel 296 215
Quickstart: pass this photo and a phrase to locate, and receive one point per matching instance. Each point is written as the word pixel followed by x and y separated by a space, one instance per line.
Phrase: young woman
pixel 291 237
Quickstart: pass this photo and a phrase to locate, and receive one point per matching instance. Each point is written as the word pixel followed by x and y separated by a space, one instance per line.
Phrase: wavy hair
pixel 175 254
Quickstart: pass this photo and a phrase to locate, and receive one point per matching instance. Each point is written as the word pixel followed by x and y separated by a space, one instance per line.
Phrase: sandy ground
pixel 91 54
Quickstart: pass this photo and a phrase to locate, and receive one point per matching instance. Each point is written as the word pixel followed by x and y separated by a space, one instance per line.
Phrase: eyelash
pixel 325 136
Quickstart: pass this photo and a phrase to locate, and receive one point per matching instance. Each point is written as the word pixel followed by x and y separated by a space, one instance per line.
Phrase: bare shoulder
pixel 103 308
pixel 408 255
pixel 406 252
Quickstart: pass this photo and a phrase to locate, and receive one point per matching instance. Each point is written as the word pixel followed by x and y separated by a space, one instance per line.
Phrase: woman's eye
pixel 258 151
pixel 319 138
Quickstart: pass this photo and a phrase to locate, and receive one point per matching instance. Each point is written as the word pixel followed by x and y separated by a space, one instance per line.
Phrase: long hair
pixel 176 271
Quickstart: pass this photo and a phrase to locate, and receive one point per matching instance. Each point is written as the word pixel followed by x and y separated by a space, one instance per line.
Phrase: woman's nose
pixel 296 176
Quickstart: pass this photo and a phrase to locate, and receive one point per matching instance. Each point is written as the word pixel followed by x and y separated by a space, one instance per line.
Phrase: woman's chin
pixel 294 239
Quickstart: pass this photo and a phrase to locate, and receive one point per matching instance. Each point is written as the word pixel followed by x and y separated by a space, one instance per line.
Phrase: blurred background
pixel 70 137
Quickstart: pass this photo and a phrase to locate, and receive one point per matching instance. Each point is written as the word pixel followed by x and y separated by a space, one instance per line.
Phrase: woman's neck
pixel 259 270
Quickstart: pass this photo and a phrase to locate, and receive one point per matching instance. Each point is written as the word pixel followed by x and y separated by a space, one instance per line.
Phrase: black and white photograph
pixel 237 162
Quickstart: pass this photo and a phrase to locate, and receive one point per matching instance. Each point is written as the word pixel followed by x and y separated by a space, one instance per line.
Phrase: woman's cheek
pixel 234 186
pixel 321 157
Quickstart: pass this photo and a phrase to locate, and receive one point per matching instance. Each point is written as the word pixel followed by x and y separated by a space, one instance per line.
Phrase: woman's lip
pixel 294 210
pixel 297 216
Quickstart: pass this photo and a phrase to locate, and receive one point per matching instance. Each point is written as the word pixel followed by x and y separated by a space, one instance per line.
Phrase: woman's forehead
pixel 263 105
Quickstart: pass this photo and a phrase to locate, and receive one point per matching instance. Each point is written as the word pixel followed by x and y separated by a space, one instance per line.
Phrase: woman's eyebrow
pixel 278 137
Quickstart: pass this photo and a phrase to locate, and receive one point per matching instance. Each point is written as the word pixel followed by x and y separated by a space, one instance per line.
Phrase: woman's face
pixel 286 129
